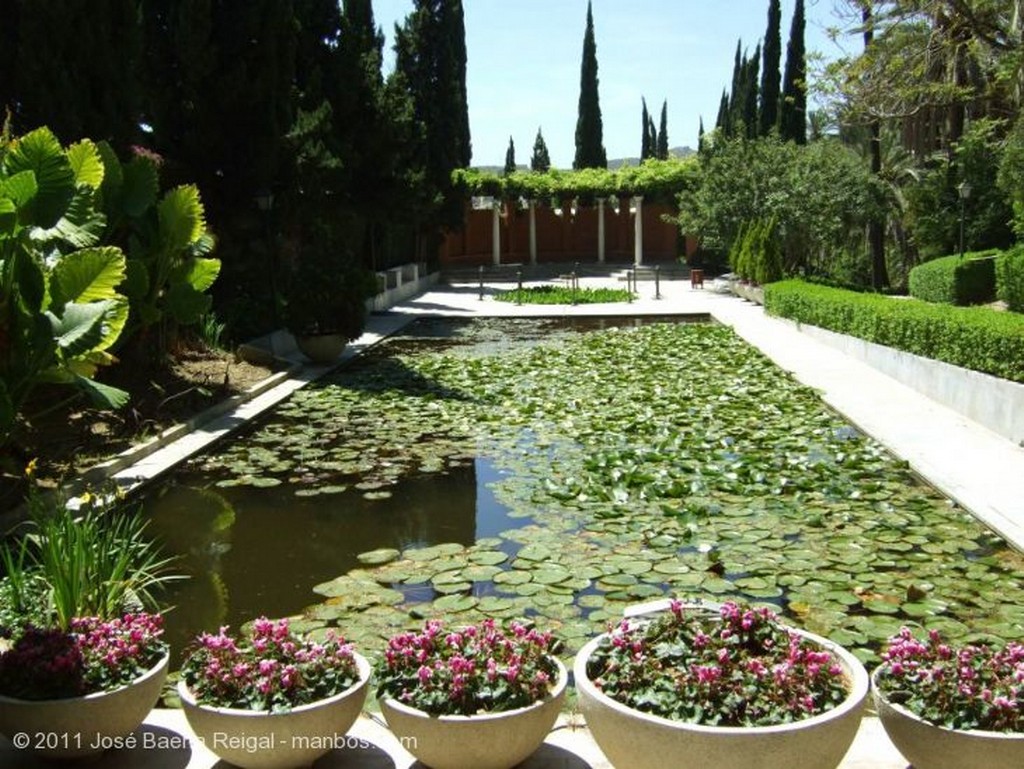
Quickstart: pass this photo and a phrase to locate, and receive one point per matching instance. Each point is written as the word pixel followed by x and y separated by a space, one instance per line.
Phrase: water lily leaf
pixel 455 603
pixel 488 557
pixel 378 557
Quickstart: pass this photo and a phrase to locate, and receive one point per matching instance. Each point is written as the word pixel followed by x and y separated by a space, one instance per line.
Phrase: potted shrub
pixel 271 700
pixel 473 697
pixel 945 707
pixel 727 686
pixel 325 304
pixel 80 664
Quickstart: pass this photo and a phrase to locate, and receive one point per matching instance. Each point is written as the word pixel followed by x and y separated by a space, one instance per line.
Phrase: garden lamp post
pixel 964 188
pixel 265 203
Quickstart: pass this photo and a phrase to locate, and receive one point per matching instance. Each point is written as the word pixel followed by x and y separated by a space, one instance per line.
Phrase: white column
pixel 600 230
pixel 638 230
pixel 496 232
pixel 533 232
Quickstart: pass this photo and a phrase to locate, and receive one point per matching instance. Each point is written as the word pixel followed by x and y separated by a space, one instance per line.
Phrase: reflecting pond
pixel 562 470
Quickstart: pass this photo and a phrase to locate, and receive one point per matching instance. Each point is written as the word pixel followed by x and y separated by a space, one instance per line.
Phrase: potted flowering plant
pixel 476 696
pixel 729 685
pixel 80 659
pixel 945 707
pixel 289 698
pixel 80 690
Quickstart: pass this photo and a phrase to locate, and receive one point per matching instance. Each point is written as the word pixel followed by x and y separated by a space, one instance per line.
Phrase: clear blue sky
pixel 524 65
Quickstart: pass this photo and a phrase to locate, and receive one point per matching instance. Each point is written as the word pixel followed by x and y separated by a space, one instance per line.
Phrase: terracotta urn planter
pixel 632 739
pixel 295 738
pixel 486 741
pixel 928 746
pixel 78 727
pixel 321 348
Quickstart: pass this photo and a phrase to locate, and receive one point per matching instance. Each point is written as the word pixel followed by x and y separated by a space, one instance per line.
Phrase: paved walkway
pixel 983 471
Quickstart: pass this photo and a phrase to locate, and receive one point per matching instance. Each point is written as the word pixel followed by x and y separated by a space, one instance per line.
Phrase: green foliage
pixel 94 558
pixel 756 254
pixel 563 295
pixel 768 113
pixel 976 338
pixel 952 280
pixel 821 196
pixel 1010 278
pixel 60 311
pixel 327 294
pixel 793 104
pixel 169 272
pixel 510 157
pixel 540 161
pixel 589 131
pixel 662 143
pixel 656 180
pixel 1011 173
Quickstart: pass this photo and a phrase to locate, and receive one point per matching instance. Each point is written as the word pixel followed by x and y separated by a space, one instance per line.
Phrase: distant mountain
pixel 676 152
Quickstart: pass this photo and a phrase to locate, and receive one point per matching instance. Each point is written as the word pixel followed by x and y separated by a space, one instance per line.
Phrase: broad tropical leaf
pixel 82 224
pixel 198 273
pixel 31 281
pixel 181 218
pixel 88 275
pixel 140 188
pixel 113 176
pixel 20 188
pixel 86 163
pixel 8 217
pixel 102 395
pixel 80 327
pixel 113 325
pixel 41 153
pixel 136 283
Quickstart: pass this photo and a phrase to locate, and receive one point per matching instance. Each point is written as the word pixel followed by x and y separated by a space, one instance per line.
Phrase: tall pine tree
pixel 589 131
pixel 750 93
pixel 541 160
pixel 510 157
pixel 662 153
pixel 770 73
pixel 793 106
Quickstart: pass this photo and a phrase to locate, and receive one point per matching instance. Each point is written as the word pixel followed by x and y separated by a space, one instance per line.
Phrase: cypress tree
pixel 540 161
pixel 646 150
pixel 770 76
pixel 589 132
pixel 793 106
pixel 510 157
pixel 700 136
pixel 662 153
pixel 79 84
pixel 750 92
pixel 724 120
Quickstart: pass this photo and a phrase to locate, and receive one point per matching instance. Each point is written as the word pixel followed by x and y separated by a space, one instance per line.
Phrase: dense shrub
pixel 977 338
pixel 952 280
pixel 1010 278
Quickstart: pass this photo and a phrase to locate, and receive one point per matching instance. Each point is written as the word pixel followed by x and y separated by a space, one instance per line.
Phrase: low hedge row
pixel 1010 278
pixel 976 338
pixel 952 280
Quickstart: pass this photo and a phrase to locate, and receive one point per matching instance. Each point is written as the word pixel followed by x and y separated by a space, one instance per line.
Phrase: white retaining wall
pixel 998 404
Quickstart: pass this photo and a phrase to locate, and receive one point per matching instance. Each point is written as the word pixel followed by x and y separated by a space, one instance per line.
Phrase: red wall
pixel 565 238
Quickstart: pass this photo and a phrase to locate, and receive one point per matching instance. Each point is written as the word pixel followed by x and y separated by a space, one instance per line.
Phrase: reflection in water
pixel 252 551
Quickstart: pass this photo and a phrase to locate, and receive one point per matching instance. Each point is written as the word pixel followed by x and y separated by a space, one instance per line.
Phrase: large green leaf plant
pixel 169 270
pixel 60 308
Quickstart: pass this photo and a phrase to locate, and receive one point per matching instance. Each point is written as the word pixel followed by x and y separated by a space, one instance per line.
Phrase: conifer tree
pixel 590 151
pixel 724 120
pixel 662 153
pixel 541 160
pixel 793 105
pixel 646 148
pixel 750 92
pixel 510 157
pixel 770 75
pixel 700 136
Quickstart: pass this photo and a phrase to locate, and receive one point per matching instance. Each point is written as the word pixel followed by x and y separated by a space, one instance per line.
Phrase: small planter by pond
pixel 321 348
pixel 485 741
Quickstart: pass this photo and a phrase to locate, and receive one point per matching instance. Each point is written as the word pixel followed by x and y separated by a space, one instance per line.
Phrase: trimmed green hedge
pixel 952 280
pixel 976 338
pixel 1010 278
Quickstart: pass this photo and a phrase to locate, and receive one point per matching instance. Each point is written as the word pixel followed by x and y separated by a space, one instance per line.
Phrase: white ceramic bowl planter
pixel 928 746
pixel 488 741
pixel 259 740
pixel 635 740
pixel 78 727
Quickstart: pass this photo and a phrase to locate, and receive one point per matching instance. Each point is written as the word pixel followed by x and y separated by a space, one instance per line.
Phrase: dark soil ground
pixel 66 438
